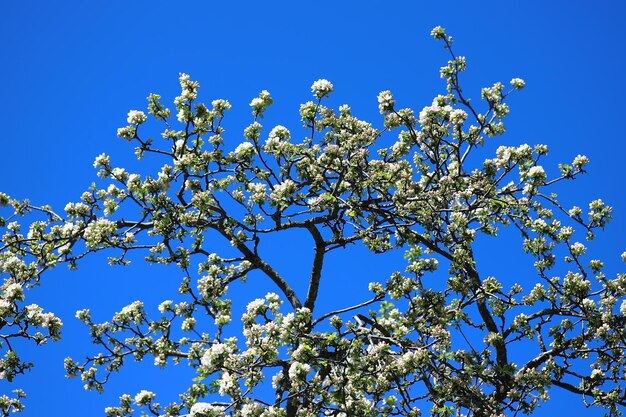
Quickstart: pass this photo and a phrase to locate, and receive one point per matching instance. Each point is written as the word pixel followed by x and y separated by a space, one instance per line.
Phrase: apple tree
pixel 438 337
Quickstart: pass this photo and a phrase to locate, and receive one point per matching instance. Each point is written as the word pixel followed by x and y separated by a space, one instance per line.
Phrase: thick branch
pixel 316 270
pixel 259 263
pixel 272 274
pixel 502 359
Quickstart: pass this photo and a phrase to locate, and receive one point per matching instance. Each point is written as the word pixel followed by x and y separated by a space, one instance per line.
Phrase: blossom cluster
pixel 321 88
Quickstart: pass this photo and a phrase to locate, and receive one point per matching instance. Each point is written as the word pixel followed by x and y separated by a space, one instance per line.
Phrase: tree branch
pixel 316 270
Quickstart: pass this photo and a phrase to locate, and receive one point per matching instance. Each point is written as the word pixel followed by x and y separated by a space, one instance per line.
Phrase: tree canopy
pixel 437 337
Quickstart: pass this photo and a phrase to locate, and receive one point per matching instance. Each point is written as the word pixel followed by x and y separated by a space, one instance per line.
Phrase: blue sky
pixel 72 70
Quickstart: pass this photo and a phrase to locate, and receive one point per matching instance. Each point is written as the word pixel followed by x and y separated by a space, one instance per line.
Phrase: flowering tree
pixel 411 348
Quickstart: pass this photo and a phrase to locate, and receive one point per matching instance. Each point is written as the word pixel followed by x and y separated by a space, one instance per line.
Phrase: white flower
pixel 596 374
pixel 165 306
pixel 596 205
pixel 102 160
pixel 220 105
pixel 134 307
pixel 64 249
pixel 280 132
pixel 458 116
pixel 518 83
pixel 83 315
pixel 119 173
pixel 227 383
pixel 298 372
pixel 98 232
pixel 129 238
pixel 492 338
pixel 256 306
pixel 136 117
pixel 188 324
pixel 127 132
pixel 4 306
pixel 577 249
pixel 111 411
pixel 321 88
pixel 251 410
pixel 245 150
pixel 182 115
pixel 206 410
pixel 50 321
pixel 13 292
pixel 437 109
pixel 385 102
pixel 112 189
pixel 258 192
pixel 214 354
pixel 438 33
pixel 283 190
pixel 144 397
pixel 33 313
pixel 575 211
pixel 622 308
pixel 537 174
pixel 277 380
pixel 189 89
pixel 277 140
pixel 256 103
pixel 262 102
pixel 588 304
pixel 133 182
pixel 580 161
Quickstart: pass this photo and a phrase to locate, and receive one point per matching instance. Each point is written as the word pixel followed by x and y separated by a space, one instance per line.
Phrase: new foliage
pixel 412 348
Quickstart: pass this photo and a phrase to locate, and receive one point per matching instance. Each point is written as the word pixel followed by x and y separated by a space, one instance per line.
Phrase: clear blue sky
pixel 71 70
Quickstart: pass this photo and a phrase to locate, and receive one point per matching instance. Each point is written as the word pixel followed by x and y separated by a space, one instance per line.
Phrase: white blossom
pixel 518 83
pixel 438 32
pixel 127 132
pixel 144 397
pixel 434 111
pixel 277 380
pixel 283 190
pixel 385 102
pixel 580 161
pixel 201 409
pixel 245 150
pixel 321 88
pixel 537 174
pixel 4 306
pixel 99 232
pixel 165 306
pixel 260 103
pixel 251 410
pixel 596 374
pixel 188 324
pixel 458 116
pixel 220 105
pixel 577 248
pixel 258 192
pixel 136 117
pixel 256 103
pixel 101 160
pixel 13 292
pixel 298 372
pixel 277 136
pixel 215 354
